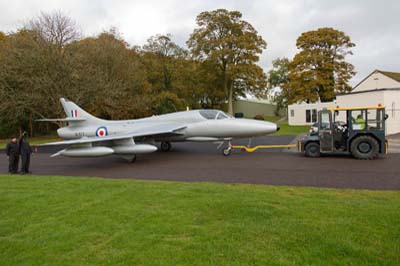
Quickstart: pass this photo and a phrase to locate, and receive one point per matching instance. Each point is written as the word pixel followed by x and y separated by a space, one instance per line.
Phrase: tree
pixel 2 36
pixel 163 60
pixel 108 77
pixel 278 76
pixel 231 43
pixel 319 70
pixel 55 28
pixel 162 45
pixel 33 76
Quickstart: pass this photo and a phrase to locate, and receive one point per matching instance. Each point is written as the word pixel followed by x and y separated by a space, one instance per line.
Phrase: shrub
pixel 259 117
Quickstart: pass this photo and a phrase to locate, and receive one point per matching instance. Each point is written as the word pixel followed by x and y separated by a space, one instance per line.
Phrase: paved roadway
pixel 202 162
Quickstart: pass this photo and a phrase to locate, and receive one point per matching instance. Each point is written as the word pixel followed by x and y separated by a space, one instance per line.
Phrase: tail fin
pixel 74 112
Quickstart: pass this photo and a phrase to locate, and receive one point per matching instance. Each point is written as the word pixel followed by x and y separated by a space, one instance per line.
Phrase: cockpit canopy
pixel 214 114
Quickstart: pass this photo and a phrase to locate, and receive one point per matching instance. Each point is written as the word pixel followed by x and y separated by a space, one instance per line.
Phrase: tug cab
pixel 358 131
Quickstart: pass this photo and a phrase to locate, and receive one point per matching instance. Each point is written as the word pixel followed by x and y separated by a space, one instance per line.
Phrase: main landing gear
pixel 227 151
pixel 133 159
pixel 129 158
pixel 165 146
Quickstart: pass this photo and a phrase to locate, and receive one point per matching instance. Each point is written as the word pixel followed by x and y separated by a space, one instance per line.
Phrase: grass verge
pixel 285 129
pixel 48 220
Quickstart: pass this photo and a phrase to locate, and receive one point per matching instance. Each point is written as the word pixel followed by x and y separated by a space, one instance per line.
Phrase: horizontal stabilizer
pixel 68 119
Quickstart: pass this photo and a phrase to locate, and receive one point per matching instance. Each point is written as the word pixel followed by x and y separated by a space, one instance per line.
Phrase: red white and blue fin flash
pixel 101 132
pixel 74 113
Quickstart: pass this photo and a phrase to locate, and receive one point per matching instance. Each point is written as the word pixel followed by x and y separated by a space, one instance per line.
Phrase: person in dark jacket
pixel 12 151
pixel 25 151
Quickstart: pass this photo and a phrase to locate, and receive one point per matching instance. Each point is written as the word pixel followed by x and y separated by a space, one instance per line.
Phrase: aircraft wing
pixel 67 119
pixel 141 131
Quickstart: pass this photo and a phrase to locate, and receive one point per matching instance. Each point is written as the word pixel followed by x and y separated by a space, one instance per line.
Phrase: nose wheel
pixel 165 146
pixel 227 151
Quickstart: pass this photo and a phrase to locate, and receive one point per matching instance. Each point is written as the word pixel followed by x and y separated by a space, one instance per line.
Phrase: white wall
pixel 389 98
pixel 373 98
pixel 392 103
pixel 299 110
pixel 377 81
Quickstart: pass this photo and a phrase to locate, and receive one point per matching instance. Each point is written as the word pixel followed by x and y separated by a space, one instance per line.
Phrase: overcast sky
pixel 373 25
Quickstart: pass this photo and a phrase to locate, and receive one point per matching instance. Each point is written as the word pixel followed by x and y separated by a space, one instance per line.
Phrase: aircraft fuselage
pixel 197 126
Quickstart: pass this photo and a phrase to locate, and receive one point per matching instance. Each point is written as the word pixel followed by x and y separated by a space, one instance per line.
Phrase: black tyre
pixel 312 150
pixel 165 146
pixel 133 159
pixel 364 147
pixel 226 152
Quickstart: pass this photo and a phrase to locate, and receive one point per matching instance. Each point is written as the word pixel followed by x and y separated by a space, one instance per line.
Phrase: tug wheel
pixel 312 150
pixel 365 148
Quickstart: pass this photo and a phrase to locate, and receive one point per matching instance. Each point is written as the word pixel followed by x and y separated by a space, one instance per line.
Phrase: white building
pixel 380 87
pixel 300 114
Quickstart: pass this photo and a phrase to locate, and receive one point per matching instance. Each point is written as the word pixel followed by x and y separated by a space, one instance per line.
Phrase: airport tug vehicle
pixel 359 132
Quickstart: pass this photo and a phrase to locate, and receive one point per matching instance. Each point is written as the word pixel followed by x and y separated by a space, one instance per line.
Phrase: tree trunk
pixel 230 100
pixel 30 125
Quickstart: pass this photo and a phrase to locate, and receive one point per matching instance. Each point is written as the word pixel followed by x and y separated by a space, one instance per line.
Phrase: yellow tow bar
pixel 252 149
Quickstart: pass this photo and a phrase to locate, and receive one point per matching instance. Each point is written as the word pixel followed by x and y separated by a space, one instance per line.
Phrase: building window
pixel 311 115
pixel 314 115
pixel 291 113
pixel 308 116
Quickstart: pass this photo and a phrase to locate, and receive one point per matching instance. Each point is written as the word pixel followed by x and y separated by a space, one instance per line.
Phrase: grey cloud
pixel 372 25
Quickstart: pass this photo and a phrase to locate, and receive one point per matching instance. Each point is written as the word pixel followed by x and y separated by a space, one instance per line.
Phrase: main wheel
pixel 129 158
pixel 365 148
pixel 312 150
pixel 165 146
pixel 133 159
pixel 226 152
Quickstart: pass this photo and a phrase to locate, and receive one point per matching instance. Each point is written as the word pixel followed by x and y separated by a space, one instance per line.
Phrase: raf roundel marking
pixel 101 132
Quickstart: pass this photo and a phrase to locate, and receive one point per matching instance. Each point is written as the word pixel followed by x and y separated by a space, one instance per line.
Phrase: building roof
pixel 316 104
pixel 366 91
pixel 393 75
pixel 256 100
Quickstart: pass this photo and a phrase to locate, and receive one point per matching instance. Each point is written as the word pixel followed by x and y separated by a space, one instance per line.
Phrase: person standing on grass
pixel 25 150
pixel 12 151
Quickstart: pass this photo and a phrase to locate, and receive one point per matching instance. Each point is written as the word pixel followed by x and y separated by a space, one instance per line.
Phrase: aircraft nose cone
pixel 263 127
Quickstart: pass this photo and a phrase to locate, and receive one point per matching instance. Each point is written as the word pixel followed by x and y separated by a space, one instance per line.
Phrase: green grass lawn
pixel 272 118
pixel 32 141
pixel 285 129
pixel 91 221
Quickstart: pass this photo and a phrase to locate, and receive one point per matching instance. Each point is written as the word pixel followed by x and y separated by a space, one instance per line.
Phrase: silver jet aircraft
pixel 89 136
